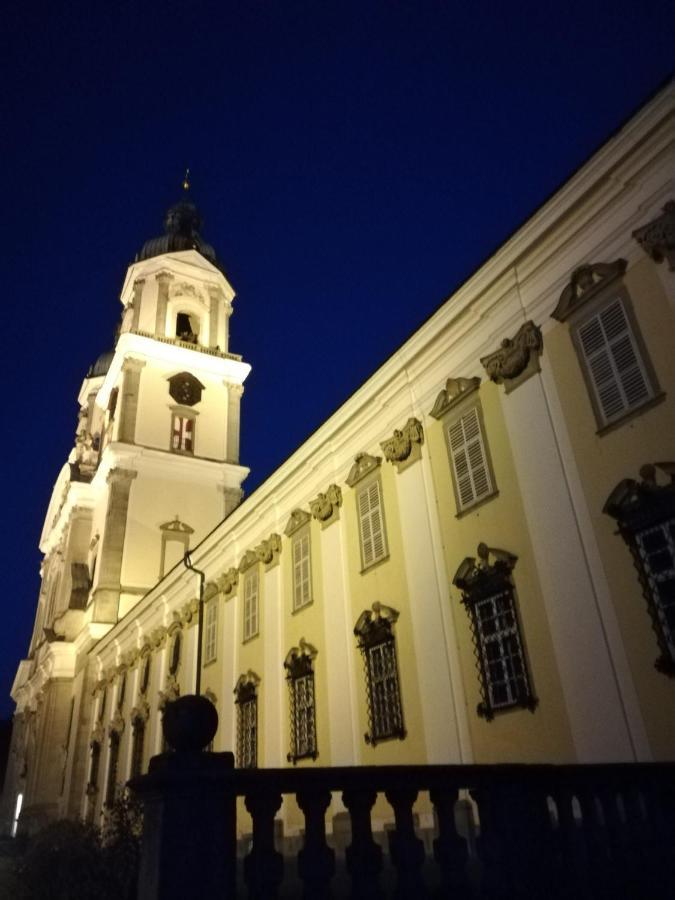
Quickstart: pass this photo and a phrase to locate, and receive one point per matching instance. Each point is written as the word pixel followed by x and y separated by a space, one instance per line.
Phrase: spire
pixel 186 180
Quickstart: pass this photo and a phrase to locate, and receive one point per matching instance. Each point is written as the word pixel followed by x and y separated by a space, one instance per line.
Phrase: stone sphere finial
pixel 190 723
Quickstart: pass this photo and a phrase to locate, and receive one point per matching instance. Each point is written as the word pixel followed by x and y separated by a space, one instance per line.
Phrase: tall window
pixel 246 699
pixel 182 433
pixel 377 643
pixel 302 573
pixel 174 658
pixel 645 514
pixel 471 474
pixel 137 747
pixel 211 631
pixel 489 597
pixel 251 586
pixel 300 678
pixel 113 763
pixel 617 374
pixel 94 766
pixel 371 523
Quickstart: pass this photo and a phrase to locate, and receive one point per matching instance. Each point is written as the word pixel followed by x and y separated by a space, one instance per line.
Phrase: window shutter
pixel 251 605
pixel 301 572
pixel 613 361
pixel 373 540
pixel 469 459
pixel 211 631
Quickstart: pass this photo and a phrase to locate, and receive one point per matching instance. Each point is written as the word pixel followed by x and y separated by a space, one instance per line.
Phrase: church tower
pixel 154 468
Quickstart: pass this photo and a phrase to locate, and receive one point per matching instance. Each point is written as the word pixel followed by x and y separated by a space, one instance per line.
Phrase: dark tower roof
pixel 102 364
pixel 182 225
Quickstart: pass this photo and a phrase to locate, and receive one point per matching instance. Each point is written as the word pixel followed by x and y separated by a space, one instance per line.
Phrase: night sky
pixel 353 162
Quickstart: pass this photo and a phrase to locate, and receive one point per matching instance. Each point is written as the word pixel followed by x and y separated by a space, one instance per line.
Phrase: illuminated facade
pixel 434 576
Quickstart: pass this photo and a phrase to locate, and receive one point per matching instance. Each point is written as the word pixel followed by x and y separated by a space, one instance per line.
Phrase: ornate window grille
pixel 377 643
pixel 645 515
pixel 489 597
pixel 299 665
pixel 113 763
pixel 246 698
pixel 137 747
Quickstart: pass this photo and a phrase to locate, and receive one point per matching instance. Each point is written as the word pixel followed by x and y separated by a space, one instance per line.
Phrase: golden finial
pixel 186 180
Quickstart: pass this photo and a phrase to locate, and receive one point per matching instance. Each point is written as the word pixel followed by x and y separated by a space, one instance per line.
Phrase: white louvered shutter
pixel 210 631
pixel 373 540
pixel 469 459
pixel 251 605
pixel 614 363
pixel 302 593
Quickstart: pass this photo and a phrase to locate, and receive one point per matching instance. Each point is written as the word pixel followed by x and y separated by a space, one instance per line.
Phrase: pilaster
pixel 164 279
pixel 107 592
pixel 131 379
pixel 234 394
pixel 136 303
pixel 215 300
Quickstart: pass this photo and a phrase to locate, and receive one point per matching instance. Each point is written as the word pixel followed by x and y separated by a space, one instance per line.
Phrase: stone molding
pixel 296 520
pixel 364 464
pixel 268 551
pixel 325 508
pixel 657 238
pixel 405 446
pixel 170 693
pixel 118 475
pixel 586 282
pixel 249 559
pixel 455 390
pixel 517 359
pixel 116 724
pixel 246 683
pixel 227 581
pixel 378 618
pixel 140 713
pixel 304 653
pixel 234 389
pixel 132 364
pixel 164 277
pixel 97 734
pixel 176 527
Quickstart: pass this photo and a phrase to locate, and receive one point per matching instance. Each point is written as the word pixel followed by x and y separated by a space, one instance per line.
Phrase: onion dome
pixel 182 225
pixel 101 366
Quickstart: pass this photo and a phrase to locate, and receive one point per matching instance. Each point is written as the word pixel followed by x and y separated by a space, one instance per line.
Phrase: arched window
pixel 377 643
pixel 299 665
pixel 187 327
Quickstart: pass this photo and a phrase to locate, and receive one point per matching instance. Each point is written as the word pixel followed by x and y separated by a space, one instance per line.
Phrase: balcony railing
pixel 572 831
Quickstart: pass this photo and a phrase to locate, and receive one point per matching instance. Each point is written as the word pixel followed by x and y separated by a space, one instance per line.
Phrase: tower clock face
pixel 185 389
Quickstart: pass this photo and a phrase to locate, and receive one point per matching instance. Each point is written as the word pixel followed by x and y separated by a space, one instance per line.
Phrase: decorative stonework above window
pixel 268 550
pixel 173 531
pixel 657 238
pixel 116 724
pixel 246 700
pixel 517 358
pixel 586 282
pixel 325 508
pixel 185 389
pixel 364 464
pixel 405 447
pixel 645 514
pixel 210 590
pixel 377 643
pixel 140 712
pixel 227 581
pixel 296 520
pixel 250 558
pixel 211 697
pixel 489 597
pixel 170 693
pixel 455 390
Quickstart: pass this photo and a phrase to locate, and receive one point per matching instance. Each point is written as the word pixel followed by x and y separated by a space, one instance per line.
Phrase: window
pixel 302 573
pixel 489 597
pixel 645 513
pixel 137 747
pixel 145 675
pixel 94 766
pixel 300 678
pixel 182 433
pixel 174 660
pixel 246 698
pixel 472 479
pixel 251 626
pixel 371 524
pixel 113 762
pixel 377 643
pixel 609 348
pixel 211 631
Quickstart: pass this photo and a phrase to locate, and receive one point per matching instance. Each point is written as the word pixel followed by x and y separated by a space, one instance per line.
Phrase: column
pixel 136 303
pixel 228 313
pixel 164 279
pixel 107 593
pixel 234 393
pixel 440 683
pixel 595 705
pixel 215 299
pixel 131 379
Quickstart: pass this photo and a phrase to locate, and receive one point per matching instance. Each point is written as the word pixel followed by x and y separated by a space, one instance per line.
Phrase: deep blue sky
pixel 354 162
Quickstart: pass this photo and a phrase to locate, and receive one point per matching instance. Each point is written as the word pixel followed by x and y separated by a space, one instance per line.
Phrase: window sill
pixel 632 414
pixel 372 565
pixel 474 506
pixel 209 662
pixel 304 606
pixel 251 637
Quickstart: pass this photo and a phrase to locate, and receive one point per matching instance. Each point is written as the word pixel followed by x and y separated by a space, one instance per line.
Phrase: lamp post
pixel 187 562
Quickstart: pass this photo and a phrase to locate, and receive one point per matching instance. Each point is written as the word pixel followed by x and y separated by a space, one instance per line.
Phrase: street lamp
pixel 187 562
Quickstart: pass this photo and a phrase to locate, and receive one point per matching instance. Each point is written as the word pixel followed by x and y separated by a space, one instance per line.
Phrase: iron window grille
pixel 489 598
pixel 645 515
pixel 299 665
pixel 246 699
pixel 113 763
pixel 137 747
pixel 377 643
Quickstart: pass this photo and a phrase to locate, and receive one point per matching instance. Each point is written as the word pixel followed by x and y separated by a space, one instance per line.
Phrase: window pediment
pixel 455 390
pixel 585 283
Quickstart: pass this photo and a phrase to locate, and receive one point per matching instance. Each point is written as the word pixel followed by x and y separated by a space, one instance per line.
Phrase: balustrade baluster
pixel 363 856
pixel 597 845
pixel 572 868
pixel 264 866
pixel 496 865
pixel 316 860
pixel 406 849
pixel 450 849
